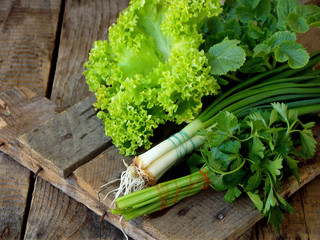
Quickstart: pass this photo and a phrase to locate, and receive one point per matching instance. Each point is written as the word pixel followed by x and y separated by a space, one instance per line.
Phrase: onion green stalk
pixel 162 195
pixel 291 86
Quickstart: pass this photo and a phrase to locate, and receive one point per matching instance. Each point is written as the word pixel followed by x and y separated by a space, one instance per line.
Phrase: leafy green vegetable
pixel 265 30
pixel 225 56
pixel 239 155
pixel 152 70
pixel 254 153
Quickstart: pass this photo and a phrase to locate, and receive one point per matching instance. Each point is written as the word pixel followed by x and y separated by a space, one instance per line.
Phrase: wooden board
pixel 80 135
pixel 83 23
pixel 54 215
pixel 193 217
pixel 14 187
pixel 70 25
pixel 27 42
pixel 35 110
pixel 24 111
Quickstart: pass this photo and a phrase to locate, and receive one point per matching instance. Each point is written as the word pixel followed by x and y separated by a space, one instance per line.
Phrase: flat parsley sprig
pixel 252 156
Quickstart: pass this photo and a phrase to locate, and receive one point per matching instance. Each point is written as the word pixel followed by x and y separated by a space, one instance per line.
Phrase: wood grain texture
pixel 27 157
pixel 69 186
pixel 27 38
pixel 14 187
pixel 69 139
pixel 19 114
pixel 104 168
pixel 54 215
pixel 84 22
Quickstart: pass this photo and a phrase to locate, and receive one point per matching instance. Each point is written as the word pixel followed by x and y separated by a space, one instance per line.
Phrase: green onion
pixel 292 86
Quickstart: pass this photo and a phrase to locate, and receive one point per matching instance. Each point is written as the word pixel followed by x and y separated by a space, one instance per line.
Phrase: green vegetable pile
pixel 160 61
pixel 248 155
pixel 163 57
pixel 252 155
pixel 265 31
pixel 152 70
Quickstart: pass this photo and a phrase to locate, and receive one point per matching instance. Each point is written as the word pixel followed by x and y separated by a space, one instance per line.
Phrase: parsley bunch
pixel 252 155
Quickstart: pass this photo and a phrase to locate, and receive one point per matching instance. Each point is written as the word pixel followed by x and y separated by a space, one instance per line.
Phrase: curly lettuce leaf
pixel 151 70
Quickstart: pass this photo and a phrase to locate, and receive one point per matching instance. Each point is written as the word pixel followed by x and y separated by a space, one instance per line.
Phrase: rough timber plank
pixel 83 23
pixel 54 215
pixel 19 114
pixel 28 32
pixel 70 187
pixel 14 187
pixel 15 179
pixel 25 115
pixel 194 217
pixel 69 139
pixel 101 170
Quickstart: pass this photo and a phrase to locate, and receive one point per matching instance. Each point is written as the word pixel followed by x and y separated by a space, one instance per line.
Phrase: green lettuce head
pixel 151 70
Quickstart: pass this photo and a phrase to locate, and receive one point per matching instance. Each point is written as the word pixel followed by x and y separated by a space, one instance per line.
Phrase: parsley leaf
pixel 275 166
pixel 293 166
pixel 254 181
pixel 255 198
pixel 308 142
pixel 232 194
pixel 256 149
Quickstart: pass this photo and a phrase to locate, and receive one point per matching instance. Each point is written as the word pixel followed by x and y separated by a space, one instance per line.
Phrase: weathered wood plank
pixel 30 116
pixel 194 217
pixel 28 32
pixel 104 168
pixel 14 187
pixel 81 26
pixel 79 29
pixel 70 139
pixel 84 22
pixel 54 215
pixel 27 40
pixel 35 110
pixel 311 206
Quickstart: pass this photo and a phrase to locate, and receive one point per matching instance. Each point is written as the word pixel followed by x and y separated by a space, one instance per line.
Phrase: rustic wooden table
pixel 43 45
